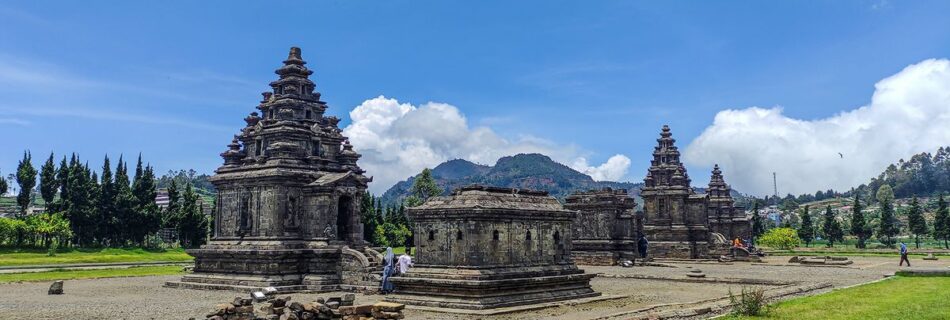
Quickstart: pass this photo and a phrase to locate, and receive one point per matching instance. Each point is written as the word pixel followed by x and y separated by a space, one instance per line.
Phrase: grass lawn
pixel 896 298
pixel 90 274
pixel 22 257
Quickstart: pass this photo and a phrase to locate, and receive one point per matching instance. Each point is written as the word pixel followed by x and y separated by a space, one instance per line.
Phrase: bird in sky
pixel 842 156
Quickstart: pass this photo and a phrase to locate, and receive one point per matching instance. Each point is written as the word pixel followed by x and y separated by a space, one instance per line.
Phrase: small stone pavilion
pixel 486 247
pixel 606 227
pixel 678 222
pixel 287 212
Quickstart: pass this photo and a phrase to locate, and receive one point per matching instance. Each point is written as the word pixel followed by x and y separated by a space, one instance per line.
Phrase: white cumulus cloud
pixel 398 140
pixel 612 170
pixel 909 113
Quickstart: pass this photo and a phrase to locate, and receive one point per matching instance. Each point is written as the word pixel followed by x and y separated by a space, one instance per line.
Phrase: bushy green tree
pixel 780 238
pixel 916 221
pixel 423 188
pixel 26 179
pixel 859 226
pixel 48 183
pixel 807 230
pixel 831 228
pixel 942 222
pixel 887 228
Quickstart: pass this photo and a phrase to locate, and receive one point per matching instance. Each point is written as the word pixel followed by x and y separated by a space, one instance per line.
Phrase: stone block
pixel 56 287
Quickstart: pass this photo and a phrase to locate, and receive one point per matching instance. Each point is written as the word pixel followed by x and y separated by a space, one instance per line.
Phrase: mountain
pixel 523 171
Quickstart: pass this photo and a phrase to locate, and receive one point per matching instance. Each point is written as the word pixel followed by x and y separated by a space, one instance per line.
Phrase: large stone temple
pixel 287 212
pixel 488 247
pixel 678 222
pixel 606 228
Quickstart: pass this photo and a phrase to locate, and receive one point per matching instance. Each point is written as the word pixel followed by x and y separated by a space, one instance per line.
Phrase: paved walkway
pixel 87 266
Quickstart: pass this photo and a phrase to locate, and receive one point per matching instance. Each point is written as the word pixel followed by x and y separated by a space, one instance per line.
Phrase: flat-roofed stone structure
pixel 288 205
pixel 486 247
pixel 606 227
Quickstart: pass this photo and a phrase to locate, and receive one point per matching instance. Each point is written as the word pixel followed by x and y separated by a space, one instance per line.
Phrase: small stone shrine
pixel 486 247
pixel 287 212
pixel 606 227
pixel 678 222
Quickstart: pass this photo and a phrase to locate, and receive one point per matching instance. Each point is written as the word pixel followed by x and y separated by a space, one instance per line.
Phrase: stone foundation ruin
pixel 606 227
pixel 486 247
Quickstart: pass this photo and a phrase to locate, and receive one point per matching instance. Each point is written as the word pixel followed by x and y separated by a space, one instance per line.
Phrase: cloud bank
pixel 909 113
pixel 398 140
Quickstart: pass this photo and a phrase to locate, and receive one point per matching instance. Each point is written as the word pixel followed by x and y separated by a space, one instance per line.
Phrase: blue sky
pixel 173 79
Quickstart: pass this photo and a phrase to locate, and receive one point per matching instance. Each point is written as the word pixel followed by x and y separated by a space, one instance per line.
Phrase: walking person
pixel 388 270
pixel 904 255
pixel 642 245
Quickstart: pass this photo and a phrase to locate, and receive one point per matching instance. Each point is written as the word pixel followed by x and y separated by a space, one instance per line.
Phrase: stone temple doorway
pixel 343 216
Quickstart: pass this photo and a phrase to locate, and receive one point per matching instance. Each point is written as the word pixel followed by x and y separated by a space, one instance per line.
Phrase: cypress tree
pixel 942 222
pixel 888 228
pixel 831 228
pixel 193 227
pixel 807 231
pixel 916 221
pixel 170 216
pixel 368 217
pixel 3 185
pixel 124 202
pixel 48 183
pixel 26 178
pixel 106 205
pixel 859 227
pixel 62 180
pixel 757 227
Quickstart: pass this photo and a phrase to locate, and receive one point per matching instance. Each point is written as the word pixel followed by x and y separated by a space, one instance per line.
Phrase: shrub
pixel 781 238
pixel 751 302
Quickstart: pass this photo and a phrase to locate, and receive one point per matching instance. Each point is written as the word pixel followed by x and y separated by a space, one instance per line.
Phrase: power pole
pixel 775 187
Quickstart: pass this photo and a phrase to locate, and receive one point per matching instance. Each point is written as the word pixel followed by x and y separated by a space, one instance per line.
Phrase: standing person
pixel 642 244
pixel 404 261
pixel 904 255
pixel 388 270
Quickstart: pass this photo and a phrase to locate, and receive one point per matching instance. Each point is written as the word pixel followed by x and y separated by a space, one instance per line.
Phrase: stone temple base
pixel 328 268
pixel 490 288
pixel 678 250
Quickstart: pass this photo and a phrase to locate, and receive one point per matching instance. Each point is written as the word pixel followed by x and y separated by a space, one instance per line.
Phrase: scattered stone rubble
pixel 283 308
pixel 826 260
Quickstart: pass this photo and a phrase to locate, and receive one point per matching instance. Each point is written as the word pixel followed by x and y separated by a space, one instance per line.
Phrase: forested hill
pixel 925 174
pixel 523 171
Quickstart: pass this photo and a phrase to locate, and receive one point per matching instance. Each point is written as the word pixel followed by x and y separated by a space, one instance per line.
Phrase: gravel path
pixel 145 298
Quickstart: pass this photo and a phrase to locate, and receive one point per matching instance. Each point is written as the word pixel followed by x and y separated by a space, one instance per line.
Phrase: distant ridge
pixel 524 171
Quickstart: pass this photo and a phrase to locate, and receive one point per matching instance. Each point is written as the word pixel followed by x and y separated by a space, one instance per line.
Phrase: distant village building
pixel 488 247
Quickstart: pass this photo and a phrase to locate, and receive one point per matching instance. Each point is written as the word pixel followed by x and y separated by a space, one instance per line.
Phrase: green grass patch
pixel 918 298
pixel 90 274
pixel 24 257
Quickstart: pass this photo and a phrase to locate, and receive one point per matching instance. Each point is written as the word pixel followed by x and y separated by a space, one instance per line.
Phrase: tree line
pixel 882 223
pixel 389 225
pixel 87 208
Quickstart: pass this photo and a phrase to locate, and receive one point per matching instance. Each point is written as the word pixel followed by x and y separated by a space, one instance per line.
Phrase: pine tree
pixel 423 188
pixel 888 228
pixel 124 202
pixel 368 217
pixel 62 179
pixel 916 221
pixel 807 231
pixel 193 227
pixel 170 216
pixel 48 183
pixel 859 227
pixel 3 185
pixel 106 206
pixel 757 227
pixel 144 210
pixel 832 228
pixel 26 178
pixel 942 222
